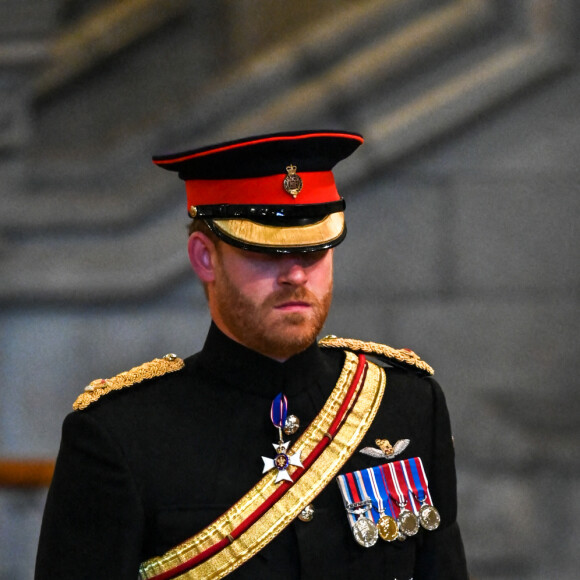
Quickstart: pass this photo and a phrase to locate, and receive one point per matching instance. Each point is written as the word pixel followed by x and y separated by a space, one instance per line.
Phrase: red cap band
pixel 317 187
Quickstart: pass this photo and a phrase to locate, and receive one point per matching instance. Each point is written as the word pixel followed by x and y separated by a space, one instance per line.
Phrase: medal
pixel 387 525
pixel 388 528
pixel 407 520
pixel 283 460
pixel 417 481
pixel 365 532
pixel 429 517
pixel 363 528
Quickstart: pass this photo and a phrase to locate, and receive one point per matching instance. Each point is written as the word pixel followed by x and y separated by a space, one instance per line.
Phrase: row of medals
pixel 366 532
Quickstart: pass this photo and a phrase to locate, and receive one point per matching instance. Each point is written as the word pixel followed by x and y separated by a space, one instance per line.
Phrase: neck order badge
pixel 283 460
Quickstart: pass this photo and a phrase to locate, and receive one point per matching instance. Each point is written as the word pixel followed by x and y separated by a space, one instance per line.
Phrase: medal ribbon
pixel 347 498
pixel 279 410
pixel 381 492
pixel 364 481
pixel 398 494
pixel 353 491
pixel 417 479
pixel 405 488
pixel 353 488
pixel 362 485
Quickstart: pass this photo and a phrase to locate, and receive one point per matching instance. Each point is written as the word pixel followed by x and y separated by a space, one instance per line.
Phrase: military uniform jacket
pixel 145 468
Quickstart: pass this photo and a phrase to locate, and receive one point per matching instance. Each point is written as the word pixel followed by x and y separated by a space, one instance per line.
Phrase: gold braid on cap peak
pixel 401 356
pixel 149 370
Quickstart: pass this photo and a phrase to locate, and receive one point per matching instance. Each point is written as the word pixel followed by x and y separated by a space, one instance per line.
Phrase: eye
pixel 311 258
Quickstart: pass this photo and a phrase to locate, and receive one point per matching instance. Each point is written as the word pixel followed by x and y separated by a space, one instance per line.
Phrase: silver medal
pixel 408 522
pixel 429 517
pixel 365 532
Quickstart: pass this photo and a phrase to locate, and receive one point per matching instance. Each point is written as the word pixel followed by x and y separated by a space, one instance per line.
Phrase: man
pixel 167 471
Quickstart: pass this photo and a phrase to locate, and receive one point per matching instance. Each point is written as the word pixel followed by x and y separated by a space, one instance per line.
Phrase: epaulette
pixel 149 370
pixel 402 357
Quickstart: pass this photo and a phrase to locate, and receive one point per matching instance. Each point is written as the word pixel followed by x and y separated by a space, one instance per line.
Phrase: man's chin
pixel 295 326
pixel 296 320
pixel 292 337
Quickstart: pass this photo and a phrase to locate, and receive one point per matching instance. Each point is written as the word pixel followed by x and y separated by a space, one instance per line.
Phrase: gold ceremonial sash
pixel 363 408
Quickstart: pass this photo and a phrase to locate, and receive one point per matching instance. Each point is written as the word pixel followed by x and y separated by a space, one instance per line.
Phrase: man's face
pixel 273 304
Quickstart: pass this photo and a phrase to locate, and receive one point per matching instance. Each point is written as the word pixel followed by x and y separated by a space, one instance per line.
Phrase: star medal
pixel 283 460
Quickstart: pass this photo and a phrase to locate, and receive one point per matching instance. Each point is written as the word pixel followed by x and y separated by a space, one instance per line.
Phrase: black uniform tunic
pixel 147 467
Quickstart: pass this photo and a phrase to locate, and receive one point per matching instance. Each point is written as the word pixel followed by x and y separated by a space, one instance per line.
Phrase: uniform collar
pixel 249 371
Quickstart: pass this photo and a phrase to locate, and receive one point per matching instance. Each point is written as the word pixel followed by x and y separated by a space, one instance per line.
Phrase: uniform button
pixel 291 425
pixel 306 514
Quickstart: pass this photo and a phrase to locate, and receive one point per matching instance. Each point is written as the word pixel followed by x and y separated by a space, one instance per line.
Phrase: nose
pixel 292 271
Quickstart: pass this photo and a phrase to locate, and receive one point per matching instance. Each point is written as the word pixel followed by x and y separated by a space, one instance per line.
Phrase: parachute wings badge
pixel 385 450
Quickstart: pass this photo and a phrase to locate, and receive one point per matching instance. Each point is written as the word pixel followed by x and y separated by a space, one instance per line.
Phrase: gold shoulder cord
pixel 149 370
pixel 402 355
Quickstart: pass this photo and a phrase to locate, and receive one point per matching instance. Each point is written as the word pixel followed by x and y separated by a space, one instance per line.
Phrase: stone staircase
pixel 79 214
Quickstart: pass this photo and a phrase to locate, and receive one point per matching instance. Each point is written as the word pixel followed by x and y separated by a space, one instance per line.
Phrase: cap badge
pixel 292 182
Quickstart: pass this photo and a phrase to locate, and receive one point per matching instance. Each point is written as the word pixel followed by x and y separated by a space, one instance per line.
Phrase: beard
pixel 259 326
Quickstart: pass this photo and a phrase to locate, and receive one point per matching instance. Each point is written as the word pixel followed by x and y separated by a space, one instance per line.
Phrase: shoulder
pixel 410 382
pixel 155 369
pixel 403 358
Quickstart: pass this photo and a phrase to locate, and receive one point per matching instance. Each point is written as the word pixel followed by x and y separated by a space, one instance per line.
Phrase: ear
pixel 201 252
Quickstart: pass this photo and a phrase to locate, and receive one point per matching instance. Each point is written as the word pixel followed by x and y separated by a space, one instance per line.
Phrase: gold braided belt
pixel 268 508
